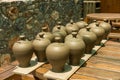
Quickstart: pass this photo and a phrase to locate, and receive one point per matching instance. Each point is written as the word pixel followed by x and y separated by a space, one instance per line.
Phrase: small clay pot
pixel 77 48
pixel 99 31
pixel 59 27
pixel 71 26
pixel 47 34
pixel 57 54
pixel 106 26
pixel 23 51
pixel 40 45
pixel 89 38
pixel 68 37
pixel 81 24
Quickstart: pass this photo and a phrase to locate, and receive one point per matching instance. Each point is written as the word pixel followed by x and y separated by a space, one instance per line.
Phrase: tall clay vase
pixel 89 38
pixel 71 26
pixel 23 51
pixel 100 32
pixel 106 26
pixel 47 34
pixel 77 48
pixel 40 45
pixel 57 54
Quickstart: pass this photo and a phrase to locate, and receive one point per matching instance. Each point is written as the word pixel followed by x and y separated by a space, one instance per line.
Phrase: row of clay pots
pixel 58 47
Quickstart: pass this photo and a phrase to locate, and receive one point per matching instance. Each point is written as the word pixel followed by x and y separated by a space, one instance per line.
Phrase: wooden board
pixel 99 73
pixel 34 65
pixel 67 73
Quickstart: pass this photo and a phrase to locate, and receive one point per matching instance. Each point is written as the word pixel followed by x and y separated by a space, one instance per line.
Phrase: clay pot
pixel 23 51
pixel 89 38
pixel 77 47
pixel 106 26
pixel 59 30
pixel 57 54
pixel 59 34
pixel 93 24
pixel 68 37
pixel 71 26
pixel 99 31
pixel 59 27
pixel 47 34
pixel 40 45
pixel 81 24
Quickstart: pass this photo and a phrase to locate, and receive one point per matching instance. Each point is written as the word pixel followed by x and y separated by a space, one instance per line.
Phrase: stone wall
pixel 18 17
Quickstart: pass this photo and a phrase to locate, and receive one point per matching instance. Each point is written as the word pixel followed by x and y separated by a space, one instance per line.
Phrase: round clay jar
pixel 81 24
pixel 100 32
pixel 89 38
pixel 59 34
pixel 106 26
pixel 40 45
pixel 57 54
pixel 47 34
pixel 71 26
pixel 23 51
pixel 68 37
pixel 77 48
pixel 59 27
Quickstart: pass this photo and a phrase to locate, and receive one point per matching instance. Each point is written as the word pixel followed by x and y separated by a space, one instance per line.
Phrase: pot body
pixel 100 32
pixel 62 28
pixel 81 24
pixel 40 45
pixel 23 52
pixel 70 27
pixel 60 34
pixel 47 35
pixel 70 36
pixel 77 48
pixel 89 38
pixel 57 54
pixel 107 27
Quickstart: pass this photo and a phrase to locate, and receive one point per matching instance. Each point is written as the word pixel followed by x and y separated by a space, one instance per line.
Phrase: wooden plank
pixel 109 54
pixel 82 77
pixel 112 43
pixel 66 74
pixel 34 65
pixel 39 73
pixel 110 49
pixel 99 73
pixel 21 77
pixel 103 59
pixel 6 74
pixel 103 65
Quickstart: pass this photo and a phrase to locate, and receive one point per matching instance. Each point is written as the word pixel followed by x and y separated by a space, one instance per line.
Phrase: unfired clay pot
pixel 106 26
pixel 57 54
pixel 59 34
pixel 71 26
pixel 59 27
pixel 81 24
pixel 100 32
pixel 77 47
pixel 47 34
pixel 40 45
pixel 68 37
pixel 23 51
pixel 89 39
